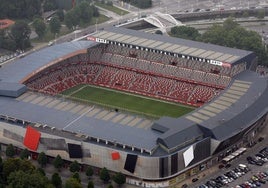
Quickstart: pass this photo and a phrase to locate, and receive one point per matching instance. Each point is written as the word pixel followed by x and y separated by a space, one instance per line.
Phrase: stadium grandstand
pixel 221 83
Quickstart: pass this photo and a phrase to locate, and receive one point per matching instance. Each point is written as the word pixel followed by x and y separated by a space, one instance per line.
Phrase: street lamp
pixel 96 25
pixel 55 38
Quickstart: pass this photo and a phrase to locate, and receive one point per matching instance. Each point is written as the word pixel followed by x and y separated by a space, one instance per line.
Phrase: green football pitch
pixel 126 101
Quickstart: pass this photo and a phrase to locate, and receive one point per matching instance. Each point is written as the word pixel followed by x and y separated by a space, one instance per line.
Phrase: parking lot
pixel 233 175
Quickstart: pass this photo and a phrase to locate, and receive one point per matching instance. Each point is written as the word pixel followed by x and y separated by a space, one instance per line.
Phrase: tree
pixel 50 5
pixel 24 154
pixel 58 162
pixel 55 25
pixel 71 19
pixel 19 9
pixel 56 180
pixel 245 14
pixel 229 24
pixel 41 171
pixel 72 183
pixel 104 175
pixel 77 176
pixel 140 3
pixel 20 33
pixel 185 32
pixel 89 171
pixel 10 165
pixel 15 164
pixel 85 11
pixel 119 178
pixel 74 166
pixel 42 159
pixel 110 186
pixel 60 15
pixel 39 27
pixel 232 35
pixel 90 184
pixel 19 179
pixel 261 14
pixel 10 151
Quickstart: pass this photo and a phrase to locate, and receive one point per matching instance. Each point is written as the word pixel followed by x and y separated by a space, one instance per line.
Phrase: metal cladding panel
pixel 163 167
pixel 201 151
pixel 232 59
pixel 153 45
pixel 11 89
pixel 129 40
pixel 122 39
pixel 139 42
pixel 100 34
pixel 206 54
pixel 173 47
pixel 224 57
pixel 114 37
pixel 148 42
pixel 164 46
pixel 215 55
pixel 174 163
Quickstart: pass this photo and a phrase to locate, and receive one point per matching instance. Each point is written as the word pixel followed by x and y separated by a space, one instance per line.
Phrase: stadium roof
pixel 15 72
pixel 170 44
pixel 238 107
pixel 77 123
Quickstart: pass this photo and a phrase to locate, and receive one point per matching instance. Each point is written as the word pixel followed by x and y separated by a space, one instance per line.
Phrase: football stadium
pixel 156 108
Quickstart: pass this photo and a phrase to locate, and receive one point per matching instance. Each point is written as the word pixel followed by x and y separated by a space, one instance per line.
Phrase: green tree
pixel 10 165
pixel 89 171
pixel 42 159
pixel 24 154
pixel 14 9
pixel 140 3
pixel 185 32
pixel 54 25
pixel 10 151
pixel 231 34
pixel 85 11
pixel 74 166
pixel 15 164
pixel 58 162
pixel 20 33
pixel 60 15
pixel 119 178
pixel 229 24
pixel 72 183
pixel 245 14
pixel 261 14
pixel 77 176
pixel 71 19
pixel 26 166
pixel 39 27
pixel 50 5
pixel 90 184
pixel 56 180
pixel 20 179
pixel 104 175
pixel 110 186
pixel 41 171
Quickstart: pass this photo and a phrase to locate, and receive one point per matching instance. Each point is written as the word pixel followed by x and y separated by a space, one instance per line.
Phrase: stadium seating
pixel 136 71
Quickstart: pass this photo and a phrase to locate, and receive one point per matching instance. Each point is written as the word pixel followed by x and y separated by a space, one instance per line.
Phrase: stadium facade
pixel 231 99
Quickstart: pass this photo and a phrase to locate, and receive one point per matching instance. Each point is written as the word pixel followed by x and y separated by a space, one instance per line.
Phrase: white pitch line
pixel 69 124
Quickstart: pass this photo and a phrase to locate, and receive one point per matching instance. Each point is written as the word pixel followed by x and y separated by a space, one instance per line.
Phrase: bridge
pixel 162 21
